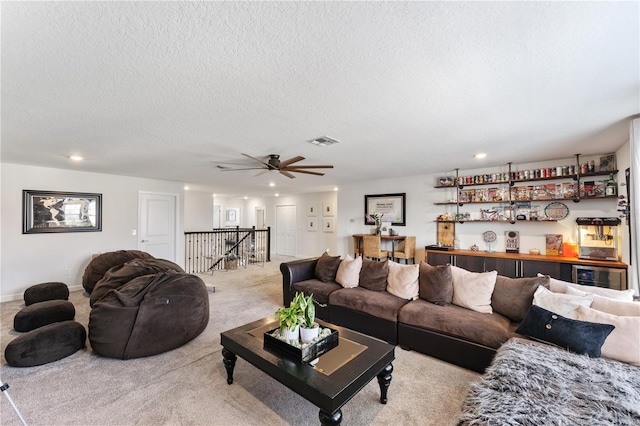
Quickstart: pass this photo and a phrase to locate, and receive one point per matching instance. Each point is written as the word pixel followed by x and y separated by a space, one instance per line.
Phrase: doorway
pixel 157 224
pixel 261 222
pixel 286 230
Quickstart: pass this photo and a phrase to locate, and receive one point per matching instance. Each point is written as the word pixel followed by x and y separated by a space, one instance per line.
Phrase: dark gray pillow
pixel 373 275
pixel 327 267
pixel 512 297
pixel 436 283
pixel 582 337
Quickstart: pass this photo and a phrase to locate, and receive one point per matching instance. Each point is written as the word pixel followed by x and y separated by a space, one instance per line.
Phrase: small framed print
pixel 608 163
pixel 312 209
pixel 327 224
pixel 327 209
pixel 312 224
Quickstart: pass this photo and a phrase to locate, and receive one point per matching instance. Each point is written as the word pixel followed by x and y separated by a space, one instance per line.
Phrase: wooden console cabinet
pixel 514 265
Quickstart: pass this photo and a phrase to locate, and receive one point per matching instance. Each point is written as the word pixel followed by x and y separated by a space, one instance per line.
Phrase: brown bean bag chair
pixel 46 344
pixel 122 274
pixel 149 315
pixel 100 264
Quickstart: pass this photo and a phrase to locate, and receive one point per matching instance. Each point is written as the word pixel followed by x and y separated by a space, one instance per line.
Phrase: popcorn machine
pixel 598 238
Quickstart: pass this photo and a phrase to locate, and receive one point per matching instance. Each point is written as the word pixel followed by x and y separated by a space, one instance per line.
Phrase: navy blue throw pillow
pixel 581 337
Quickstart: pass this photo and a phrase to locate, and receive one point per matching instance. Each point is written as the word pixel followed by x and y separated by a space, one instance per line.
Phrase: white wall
pixel 198 211
pixel 34 258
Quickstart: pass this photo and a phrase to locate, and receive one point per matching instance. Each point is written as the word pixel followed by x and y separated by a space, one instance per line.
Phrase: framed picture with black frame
pixel 53 211
pixel 390 207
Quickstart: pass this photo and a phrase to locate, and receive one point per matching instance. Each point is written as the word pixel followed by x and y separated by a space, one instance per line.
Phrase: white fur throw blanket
pixel 532 384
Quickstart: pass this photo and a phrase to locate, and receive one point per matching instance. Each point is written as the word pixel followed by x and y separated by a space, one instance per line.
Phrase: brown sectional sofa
pixel 446 331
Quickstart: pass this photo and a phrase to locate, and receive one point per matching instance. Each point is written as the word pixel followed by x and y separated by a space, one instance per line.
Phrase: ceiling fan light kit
pixel 286 167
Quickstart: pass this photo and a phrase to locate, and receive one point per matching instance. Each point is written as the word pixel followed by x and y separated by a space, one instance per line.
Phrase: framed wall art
pixel 312 209
pixel 390 207
pixel 327 209
pixel 50 211
pixel 312 224
pixel 232 216
pixel 327 224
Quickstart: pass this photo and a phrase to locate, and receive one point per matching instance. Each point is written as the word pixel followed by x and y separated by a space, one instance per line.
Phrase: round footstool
pixel 46 291
pixel 99 265
pixel 46 344
pixel 149 315
pixel 43 313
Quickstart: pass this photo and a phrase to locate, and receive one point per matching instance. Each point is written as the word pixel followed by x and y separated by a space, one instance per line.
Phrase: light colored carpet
pixel 187 386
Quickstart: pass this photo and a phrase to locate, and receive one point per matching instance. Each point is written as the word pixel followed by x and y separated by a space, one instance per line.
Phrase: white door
pixel 157 225
pixel 286 230
pixel 260 218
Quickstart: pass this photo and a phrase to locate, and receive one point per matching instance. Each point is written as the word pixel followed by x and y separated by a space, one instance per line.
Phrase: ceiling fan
pixel 286 167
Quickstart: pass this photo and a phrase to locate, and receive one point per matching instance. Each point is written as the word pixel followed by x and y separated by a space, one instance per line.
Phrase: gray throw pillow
pixel 327 267
pixel 373 275
pixel 512 297
pixel 436 283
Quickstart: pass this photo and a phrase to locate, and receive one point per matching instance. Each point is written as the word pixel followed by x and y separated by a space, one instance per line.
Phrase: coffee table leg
pixel 229 363
pixel 328 419
pixel 384 380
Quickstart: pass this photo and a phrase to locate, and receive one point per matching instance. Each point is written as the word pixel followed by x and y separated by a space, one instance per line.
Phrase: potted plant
pixel 309 328
pixel 231 261
pixel 290 318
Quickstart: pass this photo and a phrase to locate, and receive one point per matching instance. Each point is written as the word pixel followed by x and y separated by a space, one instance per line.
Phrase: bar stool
pixel 406 250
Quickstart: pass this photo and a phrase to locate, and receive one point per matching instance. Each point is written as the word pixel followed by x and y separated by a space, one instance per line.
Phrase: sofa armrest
pixel 293 272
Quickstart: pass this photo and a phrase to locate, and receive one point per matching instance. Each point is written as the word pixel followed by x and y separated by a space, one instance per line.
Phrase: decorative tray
pixel 306 353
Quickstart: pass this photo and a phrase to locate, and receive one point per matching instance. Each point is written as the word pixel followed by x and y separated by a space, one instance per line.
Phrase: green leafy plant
pixel 291 316
pixel 308 310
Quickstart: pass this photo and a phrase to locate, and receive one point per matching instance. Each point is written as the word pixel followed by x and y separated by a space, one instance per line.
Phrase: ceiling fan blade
pixel 323 166
pixel 262 172
pixel 248 168
pixel 285 163
pixel 306 172
pixel 287 174
pixel 234 164
pixel 258 160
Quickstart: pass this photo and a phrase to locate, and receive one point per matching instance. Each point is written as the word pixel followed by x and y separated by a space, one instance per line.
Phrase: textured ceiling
pixel 163 89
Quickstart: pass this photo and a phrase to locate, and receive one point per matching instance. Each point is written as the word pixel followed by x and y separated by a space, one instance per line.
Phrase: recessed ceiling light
pixel 272 184
pixel 277 195
pixel 480 155
pixel 186 188
pixel 323 141
pixel 335 189
pixel 246 198
pixel 76 158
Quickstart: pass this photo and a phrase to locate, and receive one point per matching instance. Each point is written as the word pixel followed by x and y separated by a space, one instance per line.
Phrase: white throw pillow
pixel 348 275
pixel 559 286
pixel 562 304
pixel 473 290
pixel 581 290
pixel 402 280
pixel 623 344
pixel 616 307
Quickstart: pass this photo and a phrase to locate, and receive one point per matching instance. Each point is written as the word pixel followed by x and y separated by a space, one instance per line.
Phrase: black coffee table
pixel 355 362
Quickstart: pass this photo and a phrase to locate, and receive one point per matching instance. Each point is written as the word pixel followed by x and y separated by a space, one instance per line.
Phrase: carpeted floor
pixel 187 386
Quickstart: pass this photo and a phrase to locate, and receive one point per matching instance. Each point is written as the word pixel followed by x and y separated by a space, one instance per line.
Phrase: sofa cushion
pixel 348 274
pixel 373 275
pixel 319 289
pixel 576 336
pixel 512 297
pixel 559 286
pixel 46 291
pixel 327 267
pixel 487 329
pixel 402 280
pixel 435 283
pixel 46 344
pixel 623 344
pixel 559 303
pixel 376 303
pixel 472 290
pixel 43 313
pixel 615 307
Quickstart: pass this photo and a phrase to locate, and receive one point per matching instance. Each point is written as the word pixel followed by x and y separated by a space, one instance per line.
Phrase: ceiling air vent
pixel 323 141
